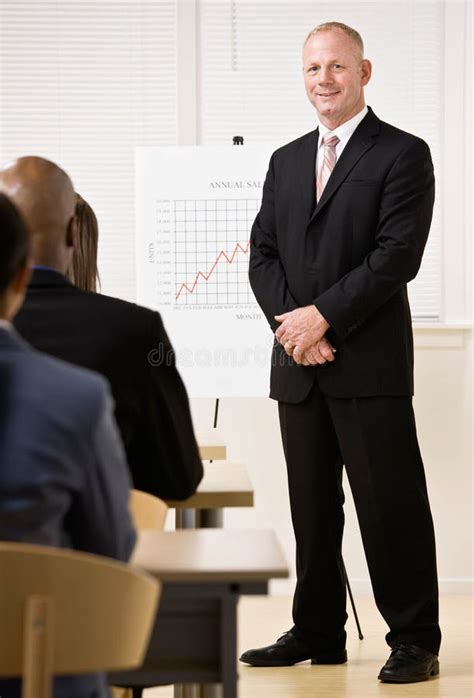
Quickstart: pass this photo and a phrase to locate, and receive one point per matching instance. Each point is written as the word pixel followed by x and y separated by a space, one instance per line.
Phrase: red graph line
pixel 206 277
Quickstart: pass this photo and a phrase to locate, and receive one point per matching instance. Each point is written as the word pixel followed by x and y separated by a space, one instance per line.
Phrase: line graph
pixel 206 277
pixel 211 246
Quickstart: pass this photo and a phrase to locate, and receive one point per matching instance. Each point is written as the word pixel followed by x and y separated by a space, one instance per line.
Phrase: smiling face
pixel 334 76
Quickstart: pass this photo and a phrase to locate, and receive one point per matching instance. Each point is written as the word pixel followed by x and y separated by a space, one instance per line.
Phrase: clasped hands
pixel 301 334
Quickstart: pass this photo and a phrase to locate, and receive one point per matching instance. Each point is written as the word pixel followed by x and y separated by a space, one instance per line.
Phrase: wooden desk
pixel 203 573
pixel 223 485
pixel 211 446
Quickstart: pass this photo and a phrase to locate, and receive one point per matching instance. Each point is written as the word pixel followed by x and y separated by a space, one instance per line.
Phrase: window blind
pixel 83 83
pixel 250 83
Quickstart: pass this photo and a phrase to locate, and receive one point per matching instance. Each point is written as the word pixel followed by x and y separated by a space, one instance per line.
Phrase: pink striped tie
pixel 326 163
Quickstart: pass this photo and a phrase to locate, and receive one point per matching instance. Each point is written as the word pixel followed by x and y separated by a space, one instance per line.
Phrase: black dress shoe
pixel 407 664
pixel 289 650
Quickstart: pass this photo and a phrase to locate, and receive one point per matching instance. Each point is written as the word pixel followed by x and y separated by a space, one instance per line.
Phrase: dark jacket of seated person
pixel 63 476
pixel 129 345
pixel 124 342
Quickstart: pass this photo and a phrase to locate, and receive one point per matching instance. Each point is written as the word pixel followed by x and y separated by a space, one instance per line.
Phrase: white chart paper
pixel 195 209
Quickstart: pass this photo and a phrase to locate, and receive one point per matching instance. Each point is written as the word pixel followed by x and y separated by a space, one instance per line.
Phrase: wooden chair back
pixel 68 612
pixel 147 510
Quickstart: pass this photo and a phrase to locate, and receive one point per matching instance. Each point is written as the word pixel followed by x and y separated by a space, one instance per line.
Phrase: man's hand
pixel 323 351
pixel 300 329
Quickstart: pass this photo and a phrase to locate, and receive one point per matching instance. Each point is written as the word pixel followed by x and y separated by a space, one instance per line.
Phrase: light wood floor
pixel 263 619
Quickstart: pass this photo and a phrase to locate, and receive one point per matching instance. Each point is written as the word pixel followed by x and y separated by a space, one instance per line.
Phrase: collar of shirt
pixel 343 132
pixel 5 325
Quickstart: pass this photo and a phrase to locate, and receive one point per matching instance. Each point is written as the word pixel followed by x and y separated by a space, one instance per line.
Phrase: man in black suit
pixel 123 341
pixel 344 219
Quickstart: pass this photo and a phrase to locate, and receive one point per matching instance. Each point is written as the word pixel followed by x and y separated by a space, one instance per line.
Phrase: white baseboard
pixel 362 587
pixel 456 587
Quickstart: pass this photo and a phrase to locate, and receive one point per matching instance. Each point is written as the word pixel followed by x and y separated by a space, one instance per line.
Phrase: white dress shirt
pixel 343 132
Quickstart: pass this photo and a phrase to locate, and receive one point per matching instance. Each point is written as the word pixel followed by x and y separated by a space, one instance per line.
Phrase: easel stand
pixel 214 519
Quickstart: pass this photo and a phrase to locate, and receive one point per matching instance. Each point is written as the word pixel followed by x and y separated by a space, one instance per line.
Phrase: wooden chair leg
pixel 38 648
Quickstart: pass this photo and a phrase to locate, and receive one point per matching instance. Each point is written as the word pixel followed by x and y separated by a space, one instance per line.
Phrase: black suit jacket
pixel 129 345
pixel 351 255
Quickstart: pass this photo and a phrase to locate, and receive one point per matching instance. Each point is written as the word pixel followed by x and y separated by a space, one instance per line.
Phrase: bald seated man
pixel 123 341
pixel 64 481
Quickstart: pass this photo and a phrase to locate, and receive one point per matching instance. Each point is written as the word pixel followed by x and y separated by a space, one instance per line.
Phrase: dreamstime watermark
pixel 259 355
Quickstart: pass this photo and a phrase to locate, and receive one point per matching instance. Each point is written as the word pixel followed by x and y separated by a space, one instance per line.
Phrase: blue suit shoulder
pixel 63 386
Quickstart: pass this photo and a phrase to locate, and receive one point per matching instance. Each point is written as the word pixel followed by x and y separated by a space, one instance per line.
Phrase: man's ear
pixel 71 232
pixel 365 71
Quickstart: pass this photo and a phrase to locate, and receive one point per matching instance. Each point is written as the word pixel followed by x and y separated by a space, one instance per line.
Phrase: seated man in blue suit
pixel 63 476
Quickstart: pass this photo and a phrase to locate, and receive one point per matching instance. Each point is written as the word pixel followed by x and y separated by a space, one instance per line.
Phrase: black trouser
pixel 376 440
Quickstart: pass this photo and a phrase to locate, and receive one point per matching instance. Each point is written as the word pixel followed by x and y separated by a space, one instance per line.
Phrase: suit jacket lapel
pixel 360 142
pixel 306 172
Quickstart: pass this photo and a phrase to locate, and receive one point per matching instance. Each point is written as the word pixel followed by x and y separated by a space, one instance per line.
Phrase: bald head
pixel 44 195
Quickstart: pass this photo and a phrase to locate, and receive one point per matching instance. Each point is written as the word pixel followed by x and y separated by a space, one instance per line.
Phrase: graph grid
pixel 212 250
